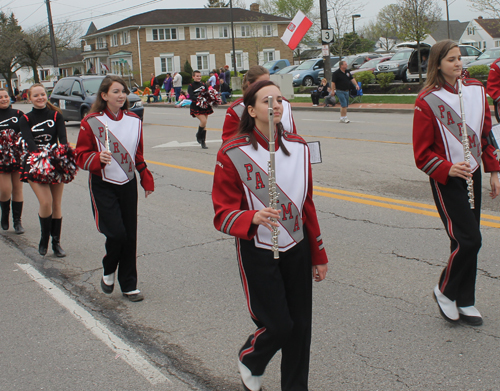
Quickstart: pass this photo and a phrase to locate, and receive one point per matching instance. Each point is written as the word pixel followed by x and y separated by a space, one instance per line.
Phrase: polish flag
pixel 296 30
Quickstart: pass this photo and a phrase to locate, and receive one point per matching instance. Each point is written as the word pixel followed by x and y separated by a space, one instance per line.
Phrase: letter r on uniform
pixel 116 149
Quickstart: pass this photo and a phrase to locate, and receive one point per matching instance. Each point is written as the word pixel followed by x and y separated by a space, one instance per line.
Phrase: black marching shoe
pixel 108 289
pixel 203 137
pixel 199 134
pixel 55 232
pixel 45 224
pixel 5 205
pixel 17 211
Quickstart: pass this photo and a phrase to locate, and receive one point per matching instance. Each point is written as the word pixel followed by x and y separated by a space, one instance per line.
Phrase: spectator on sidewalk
pixel 227 75
pixel 341 80
pixel 225 91
pixel 177 83
pixel 154 81
pixel 155 94
pixel 167 85
pixel 320 92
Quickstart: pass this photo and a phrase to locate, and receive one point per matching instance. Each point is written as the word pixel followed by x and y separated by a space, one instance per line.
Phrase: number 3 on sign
pixel 327 35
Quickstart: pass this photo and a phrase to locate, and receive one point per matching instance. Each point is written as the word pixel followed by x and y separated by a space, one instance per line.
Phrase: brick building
pixel 161 41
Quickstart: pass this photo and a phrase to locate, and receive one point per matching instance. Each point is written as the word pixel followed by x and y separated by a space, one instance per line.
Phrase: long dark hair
pixel 247 123
pixel 49 105
pixel 100 104
pixel 439 51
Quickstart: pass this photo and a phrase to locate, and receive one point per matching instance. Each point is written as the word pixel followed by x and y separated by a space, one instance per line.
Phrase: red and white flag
pixel 296 30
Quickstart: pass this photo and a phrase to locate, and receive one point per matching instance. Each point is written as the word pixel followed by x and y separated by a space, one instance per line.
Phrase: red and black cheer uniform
pixel 437 145
pixel 41 128
pixel 278 291
pixel 194 90
pixel 235 111
pixel 113 187
pixel 9 134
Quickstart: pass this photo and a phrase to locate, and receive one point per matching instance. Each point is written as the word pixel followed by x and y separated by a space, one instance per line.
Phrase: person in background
pixel 341 80
pixel 194 90
pixel 11 188
pixel 153 82
pixel 113 186
pixel 167 85
pixel 155 94
pixel 321 92
pixel 225 91
pixel 177 84
pixel 227 75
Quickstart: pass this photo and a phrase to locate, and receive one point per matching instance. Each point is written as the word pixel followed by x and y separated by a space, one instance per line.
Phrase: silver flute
pixel 465 144
pixel 106 141
pixel 273 192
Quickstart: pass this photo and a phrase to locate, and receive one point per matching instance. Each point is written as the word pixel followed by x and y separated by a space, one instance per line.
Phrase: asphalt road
pixel 375 324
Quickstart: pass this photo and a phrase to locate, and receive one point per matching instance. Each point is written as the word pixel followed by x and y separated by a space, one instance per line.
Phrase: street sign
pixel 325 50
pixel 326 36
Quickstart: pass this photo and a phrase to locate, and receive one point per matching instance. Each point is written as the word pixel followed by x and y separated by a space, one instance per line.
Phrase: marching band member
pixel 110 147
pixel 42 129
pixel 278 291
pixel 235 111
pixel 493 84
pixel 439 152
pixel 10 185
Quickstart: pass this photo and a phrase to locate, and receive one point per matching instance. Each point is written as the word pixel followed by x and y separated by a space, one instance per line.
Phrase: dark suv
pixel 397 65
pixel 76 94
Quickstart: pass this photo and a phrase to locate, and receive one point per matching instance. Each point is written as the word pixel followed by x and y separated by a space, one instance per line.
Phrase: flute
pixel 273 193
pixel 106 140
pixel 465 144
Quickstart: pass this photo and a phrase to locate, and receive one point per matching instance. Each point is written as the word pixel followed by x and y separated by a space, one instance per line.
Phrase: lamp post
pixel 447 18
pixel 354 17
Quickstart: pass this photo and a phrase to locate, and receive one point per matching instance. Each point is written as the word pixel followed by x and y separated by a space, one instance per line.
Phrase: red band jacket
pixel 128 131
pixel 240 189
pixel 437 134
pixel 493 84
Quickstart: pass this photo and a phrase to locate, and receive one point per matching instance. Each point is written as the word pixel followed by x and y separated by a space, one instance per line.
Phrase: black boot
pixel 199 134
pixel 17 211
pixel 5 205
pixel 55 231
pixel 203 137
pixel 45 223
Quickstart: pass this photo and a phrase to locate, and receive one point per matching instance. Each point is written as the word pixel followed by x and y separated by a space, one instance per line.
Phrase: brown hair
pixel 49 105
pixel 253 74
pixel 100 104
pixel 247 123
pixel 438 52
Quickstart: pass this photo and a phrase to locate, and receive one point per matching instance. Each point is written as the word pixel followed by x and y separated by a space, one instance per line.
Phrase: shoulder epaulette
pixel 94 114
pixel 130 114
pixel 293 137
pixel 236 103
pixel 424 93
pixel 472 82
pixel 235 142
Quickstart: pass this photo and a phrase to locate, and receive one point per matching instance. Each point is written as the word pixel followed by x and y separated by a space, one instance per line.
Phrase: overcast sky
pixel 33 12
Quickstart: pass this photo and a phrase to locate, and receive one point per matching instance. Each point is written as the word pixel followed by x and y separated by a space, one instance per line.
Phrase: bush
pixel 384 79
pixel 479 71
pixel 186 77
pixel 365 77
pixel 188 68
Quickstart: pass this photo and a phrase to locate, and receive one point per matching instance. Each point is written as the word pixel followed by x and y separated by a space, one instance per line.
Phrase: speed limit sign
pixel 327 36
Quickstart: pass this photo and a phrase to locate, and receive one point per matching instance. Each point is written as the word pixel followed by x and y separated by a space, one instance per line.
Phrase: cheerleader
pixel 43 128
pixel 10 143
pixel 278 291
pixel 110 147
pixel 234 112
pixel 438 150
pixel 195 89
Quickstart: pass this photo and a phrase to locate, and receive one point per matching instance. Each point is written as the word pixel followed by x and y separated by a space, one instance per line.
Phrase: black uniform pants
pixel 115 213
pixel 458 279
pixel 279 298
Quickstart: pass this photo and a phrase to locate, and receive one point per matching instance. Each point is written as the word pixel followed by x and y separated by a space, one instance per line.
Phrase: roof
pixel 491 26
pixel 439 30
pixel 161 17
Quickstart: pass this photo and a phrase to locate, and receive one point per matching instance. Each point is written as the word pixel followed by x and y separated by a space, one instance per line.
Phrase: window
pixel 471 30
pixel 201 33
pixel 202 62
pixel 63 87
pixel 268 55
pixel 497 44
pixel 164 34
pixel 223 32
pixel 114 40
pixel 167 64
pixel 125 38
pixel 484 44
pixel 44 74
pixel 245 31
pixel 76 88
pixel 101 44
pixel 63 72
pixel 239 60
pixel 267 30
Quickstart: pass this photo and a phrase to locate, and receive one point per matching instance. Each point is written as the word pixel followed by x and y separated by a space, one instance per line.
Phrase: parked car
pixel 469 53
pixel 286 70
pixel 74 95
pixel 276 65
pixel 354 61
pixel 371 65
pixel 307 73
pixel 397 64
pixel 487 58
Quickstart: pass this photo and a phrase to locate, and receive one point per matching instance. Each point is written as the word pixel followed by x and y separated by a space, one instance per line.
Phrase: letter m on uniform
pixel 287 210
pixel 124 158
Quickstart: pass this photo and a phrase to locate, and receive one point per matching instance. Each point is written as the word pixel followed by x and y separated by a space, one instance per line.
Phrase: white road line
pixel 176 144
pixel 115 343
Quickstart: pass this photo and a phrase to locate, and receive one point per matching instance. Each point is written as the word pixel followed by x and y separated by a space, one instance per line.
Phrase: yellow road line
pixel 360 198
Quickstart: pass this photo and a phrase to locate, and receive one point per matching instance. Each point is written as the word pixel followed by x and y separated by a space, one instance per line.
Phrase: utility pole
pixel 51 32
pixel 324 26
pixel 232 38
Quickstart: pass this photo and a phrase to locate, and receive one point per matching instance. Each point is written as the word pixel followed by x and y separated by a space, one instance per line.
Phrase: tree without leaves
pixel 217 4
pixel 417 20
pixel 387 27
pixel 491 7
pixel 10 38
pixel 340 20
